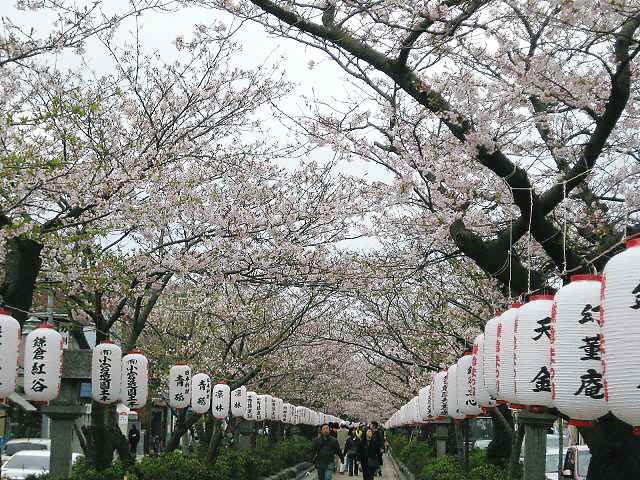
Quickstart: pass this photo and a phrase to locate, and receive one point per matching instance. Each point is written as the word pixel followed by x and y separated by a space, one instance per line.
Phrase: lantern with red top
pixel 180 386
pixel 220 400
pixel 135 380
pixel 505 367
pixel 106 372
pixel 43 363
pixel 9 343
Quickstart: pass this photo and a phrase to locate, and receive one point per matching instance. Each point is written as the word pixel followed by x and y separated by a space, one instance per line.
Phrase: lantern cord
pixel 529 241
pixel 564 229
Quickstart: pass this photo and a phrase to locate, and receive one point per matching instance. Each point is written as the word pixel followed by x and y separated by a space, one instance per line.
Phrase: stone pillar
pixel 244 432
pixel 442 435
pixel 535 427
pixel 66 409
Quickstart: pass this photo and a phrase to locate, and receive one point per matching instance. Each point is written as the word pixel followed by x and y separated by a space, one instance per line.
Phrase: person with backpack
pixel 324 449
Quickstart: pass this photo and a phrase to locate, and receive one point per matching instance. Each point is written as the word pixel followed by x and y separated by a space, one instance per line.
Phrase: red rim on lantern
pixel 582 277
pixel 540 297
pixel 537 409
pixel 633 242
pixel 516 406
pixel 516 305
pixel 581 423
pixel 108 341
pixel 4 311
pixel 636 431
pixel 46 325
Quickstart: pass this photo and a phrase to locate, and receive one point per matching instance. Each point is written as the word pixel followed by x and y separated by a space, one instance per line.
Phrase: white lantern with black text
pixel 259 408
pixel 489 368
pixel 285 413
pixel 9 341
pixel 452 393
pixel 134 389
pixel 620 323
pixel 425 411
pixel 439 395
pixel 200 393
pixel 532 344
pixel 42 364
pixel 467 403
pixel 268 407
pixel 106 372
pixel 278 405
pixel 220 400
pixel 239 401
pixel 505 367
pixel 250 411
pixel 577 387
pixel 180 386
pixel 480 393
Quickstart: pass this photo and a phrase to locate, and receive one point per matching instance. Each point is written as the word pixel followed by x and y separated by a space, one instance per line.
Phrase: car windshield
pixel 28 462
pixel 12 448
pixel 552 463
pixel 584 457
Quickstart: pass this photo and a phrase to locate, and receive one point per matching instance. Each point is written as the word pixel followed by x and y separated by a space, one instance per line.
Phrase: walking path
pixel 389 472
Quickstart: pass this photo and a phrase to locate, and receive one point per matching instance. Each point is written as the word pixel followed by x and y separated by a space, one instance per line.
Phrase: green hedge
pixel 230 465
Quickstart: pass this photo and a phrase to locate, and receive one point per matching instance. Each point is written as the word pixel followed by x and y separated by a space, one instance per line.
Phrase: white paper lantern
pixel 301 413
pixel 43 364
pixel 134 387
pixel 532 344
pixel 180 386
pixel 620 323
pixel 285 413
pixel 268 407
pixel 259 408
pixel 480 392
pixel 278 405
pixel 505 367
pixel 577 386
pixel 238 401
pixel 200 393
pixel 424 406
pixel 9 341
pixel 467 403
pixel 489 368
pixel 220 400
pixel 439 395
pixel 106 372
pixel 452 393
pixel 250 411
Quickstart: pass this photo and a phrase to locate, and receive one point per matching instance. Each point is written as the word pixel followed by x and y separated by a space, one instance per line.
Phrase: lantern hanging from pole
pixel 42 364
pixel 489 367
pixel 278 405
pixel 620 323
pixel 439 395
pixel 285 413
pixel 268 407
pixel 135 380
pixel 480 393
pixel 452 393
pixel 577 387
pixel 467 403
pixel 180 386
pixel 106 372
pixel 9 341
pixel 505 368
pixel 200 393
pixel 259 408
pixel 250 411
pixel 424 405
pixel 239 401
pixel 220 400
pixel 532 346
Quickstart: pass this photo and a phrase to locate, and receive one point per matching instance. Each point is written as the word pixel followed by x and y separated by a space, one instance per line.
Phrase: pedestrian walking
pixel 325 448
pixel 134 438
pixel 351 452
pixel 369 454
pixel 379 438
pixel 342 435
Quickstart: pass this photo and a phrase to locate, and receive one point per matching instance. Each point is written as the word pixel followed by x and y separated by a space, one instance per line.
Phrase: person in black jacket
pixel 351 452
pixel 369 455
pixel 134 438
pixel 379 437
pixel 325 448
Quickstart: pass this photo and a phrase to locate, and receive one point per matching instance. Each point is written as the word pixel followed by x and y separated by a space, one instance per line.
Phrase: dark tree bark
pixel 499 450
pixel 215 442
pixel 183 425
pixel 104 437
pixel 514 459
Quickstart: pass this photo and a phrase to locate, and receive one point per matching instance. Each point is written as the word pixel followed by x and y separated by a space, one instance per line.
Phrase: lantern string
pixel 529 266
pixel 564 229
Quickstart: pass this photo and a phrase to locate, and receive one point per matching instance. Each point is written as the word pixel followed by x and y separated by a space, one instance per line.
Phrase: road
pixel 388 472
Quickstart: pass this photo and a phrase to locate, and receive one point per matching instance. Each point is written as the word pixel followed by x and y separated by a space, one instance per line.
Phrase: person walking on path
pixel 134 438
pixel 351 452
pixel 379 438
pixel 342 435
pixel 369 454
pixel 325 448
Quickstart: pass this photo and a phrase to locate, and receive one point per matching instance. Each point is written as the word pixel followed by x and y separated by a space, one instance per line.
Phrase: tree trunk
pixel 215 443
pixel 22 266
pixel 183 425
pixel 104 437
pixel 499 450
pixel 615 451
pixel 514 459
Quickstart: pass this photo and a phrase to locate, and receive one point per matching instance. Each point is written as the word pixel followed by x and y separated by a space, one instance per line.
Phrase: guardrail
pixel 297 472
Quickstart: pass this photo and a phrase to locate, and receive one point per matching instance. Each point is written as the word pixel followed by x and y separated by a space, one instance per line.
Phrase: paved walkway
pixel 388 472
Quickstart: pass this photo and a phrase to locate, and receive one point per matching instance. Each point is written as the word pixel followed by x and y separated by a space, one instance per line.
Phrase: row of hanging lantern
pixel 550 352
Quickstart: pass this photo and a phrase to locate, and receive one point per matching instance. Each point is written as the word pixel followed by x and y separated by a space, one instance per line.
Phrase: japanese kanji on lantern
pixel 423 404
pixel 250 411
pixel 239 401
pixel 43 364
pixel 9 341
pixel 134 388
pixel 220 399
pixel 106 372
pixel 278 406
pixel 180 386
pixel 439 395
pixel 532 344
pixel 200 393
pixel 285 413
pixel 577 386
pixel 489 367
pixel 620 323
pixel 268 407
pixel 259 408
pixel 505 367
pixel 480 392
pixel 452 393
pixel 467 403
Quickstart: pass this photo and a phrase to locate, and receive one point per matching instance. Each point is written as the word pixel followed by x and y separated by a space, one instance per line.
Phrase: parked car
pixel 575 464
pixel 551 465
pixel 29 462
pixel 19 444
pixel 482 443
